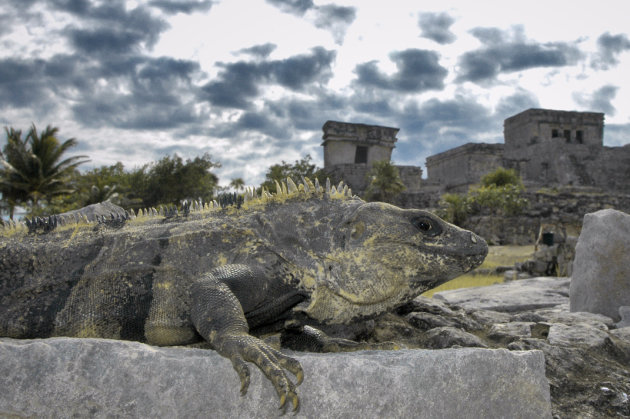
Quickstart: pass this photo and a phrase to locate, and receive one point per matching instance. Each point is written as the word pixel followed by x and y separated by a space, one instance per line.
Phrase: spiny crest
pixel 250 198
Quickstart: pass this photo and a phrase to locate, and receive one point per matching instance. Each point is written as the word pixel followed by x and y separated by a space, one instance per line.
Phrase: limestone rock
pixel 63 377
pixel 525 294
pixel 446 337
pixel 601 272
pixel 576 335
pixel 490 317
pixel 508 332
pixel 624 313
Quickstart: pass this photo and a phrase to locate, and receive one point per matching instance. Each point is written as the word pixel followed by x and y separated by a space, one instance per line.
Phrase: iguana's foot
pixel 314 340
pixel 273 363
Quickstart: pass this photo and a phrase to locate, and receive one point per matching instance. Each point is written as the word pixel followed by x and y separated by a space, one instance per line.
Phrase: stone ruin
pixel 350 151
pixel 548 148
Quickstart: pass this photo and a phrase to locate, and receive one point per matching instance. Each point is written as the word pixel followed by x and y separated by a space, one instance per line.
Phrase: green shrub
pixel 502 177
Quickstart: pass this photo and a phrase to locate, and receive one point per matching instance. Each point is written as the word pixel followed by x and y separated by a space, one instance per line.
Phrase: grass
pixel 497 256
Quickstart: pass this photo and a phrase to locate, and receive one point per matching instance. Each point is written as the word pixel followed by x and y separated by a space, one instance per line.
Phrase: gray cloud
pixel 600 100
pixel 259 51
pixel 331 17
pixel 435 26
pixel 417 71
pixel 513 104
pixel 506 52
pixel 156 89
pixel 181 6
pixel 23 82
pixel 336 19
pixel 239 82
pixel 609 47
pixel 296 7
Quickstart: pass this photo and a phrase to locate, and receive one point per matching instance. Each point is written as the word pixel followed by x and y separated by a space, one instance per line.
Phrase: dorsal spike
pixel 327 185
pixel 278 188
pixel 285 190
pixel 307 189
pixel 317 186
pixel 291 186
pixel 310 185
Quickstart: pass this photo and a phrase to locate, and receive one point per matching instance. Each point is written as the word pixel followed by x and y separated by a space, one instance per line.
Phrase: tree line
pixel 36 176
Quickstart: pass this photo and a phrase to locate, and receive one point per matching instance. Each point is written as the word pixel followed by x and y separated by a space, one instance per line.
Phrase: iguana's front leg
pixel 219 318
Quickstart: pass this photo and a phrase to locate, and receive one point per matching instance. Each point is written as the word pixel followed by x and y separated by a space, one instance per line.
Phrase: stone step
pixel 65 377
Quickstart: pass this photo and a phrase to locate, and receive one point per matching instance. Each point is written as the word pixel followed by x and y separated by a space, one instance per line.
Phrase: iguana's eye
pixel 427 226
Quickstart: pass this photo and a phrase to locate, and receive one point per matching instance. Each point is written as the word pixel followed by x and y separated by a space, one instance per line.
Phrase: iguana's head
pixel 387 256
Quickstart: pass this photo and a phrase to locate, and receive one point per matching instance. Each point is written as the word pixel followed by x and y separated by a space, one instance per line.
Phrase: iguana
pixel 226 274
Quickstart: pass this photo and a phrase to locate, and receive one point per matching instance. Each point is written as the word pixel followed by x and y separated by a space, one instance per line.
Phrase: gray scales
pixel 308 255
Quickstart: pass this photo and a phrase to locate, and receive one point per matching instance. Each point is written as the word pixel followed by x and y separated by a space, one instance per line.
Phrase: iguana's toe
pixel 271 362
pixel 243 373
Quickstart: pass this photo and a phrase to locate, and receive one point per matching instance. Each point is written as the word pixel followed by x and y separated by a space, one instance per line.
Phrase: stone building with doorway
pixel 350 151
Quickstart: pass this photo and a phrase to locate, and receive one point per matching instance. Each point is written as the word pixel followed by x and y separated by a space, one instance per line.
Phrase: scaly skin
pixel 307 254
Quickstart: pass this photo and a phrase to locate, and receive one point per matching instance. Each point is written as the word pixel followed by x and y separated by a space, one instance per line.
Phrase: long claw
pixel 300 377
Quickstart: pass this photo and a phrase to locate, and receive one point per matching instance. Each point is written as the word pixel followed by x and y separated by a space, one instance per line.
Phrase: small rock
pixel 576 335
pixel 447 337
pixel 508 332
pixel 528 316
pixel 490 317
pixel 427 305
pixel 575 318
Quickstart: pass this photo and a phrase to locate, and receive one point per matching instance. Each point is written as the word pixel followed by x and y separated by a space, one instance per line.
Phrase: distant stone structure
pixel 350 151
pixel 546 147
pixel 464 165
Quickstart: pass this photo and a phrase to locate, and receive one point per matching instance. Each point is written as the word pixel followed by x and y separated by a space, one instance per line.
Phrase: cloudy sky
pixel 252 81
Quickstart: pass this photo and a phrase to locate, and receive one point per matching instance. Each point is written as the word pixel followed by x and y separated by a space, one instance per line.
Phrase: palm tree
pixel 237 183
pixel 32 169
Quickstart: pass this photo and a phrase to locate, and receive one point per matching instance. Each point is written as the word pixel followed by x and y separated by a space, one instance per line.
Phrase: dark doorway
pixel 361 154
pixel 579 136
pixel 567 135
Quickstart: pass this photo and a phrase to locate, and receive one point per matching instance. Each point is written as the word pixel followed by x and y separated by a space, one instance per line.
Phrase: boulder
pixel 65 377
pixel 601 272
pixel 521 295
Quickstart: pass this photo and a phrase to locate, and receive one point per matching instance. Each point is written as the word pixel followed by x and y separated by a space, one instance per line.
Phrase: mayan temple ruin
pixel 548 148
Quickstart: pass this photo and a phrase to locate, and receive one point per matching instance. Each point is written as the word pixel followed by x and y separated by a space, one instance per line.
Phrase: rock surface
pixel 515 296
pixel 601 272
pixel 63 377
pixel 587 355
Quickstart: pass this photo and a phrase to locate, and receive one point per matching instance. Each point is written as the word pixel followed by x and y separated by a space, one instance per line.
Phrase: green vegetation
pixel 385 183
pixel 33 169
pixel 500 193
pixel 301 168
pixel 35 175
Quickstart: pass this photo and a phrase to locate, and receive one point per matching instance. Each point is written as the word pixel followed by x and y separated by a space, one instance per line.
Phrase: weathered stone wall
pixel 411 177
pixel 465 164
pixel 356 176
pixel 564 208
pixel 534 126
pixel 341 140
pixel 546 147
